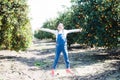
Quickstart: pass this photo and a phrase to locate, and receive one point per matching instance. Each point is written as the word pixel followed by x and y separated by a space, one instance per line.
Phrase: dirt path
pixel 36 62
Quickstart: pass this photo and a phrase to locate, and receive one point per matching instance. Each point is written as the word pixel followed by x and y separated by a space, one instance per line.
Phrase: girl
pixel 61 45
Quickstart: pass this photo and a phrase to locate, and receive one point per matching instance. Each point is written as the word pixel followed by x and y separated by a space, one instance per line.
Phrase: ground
pixel 35 63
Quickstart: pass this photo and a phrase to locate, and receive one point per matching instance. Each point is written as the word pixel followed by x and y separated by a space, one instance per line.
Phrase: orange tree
pixel 44 35
pixel 15 30
pixel 67 19
pixel 100 20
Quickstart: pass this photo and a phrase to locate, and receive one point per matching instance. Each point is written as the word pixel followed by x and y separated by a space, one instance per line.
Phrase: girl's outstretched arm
pixel 48 30
pixel 74 30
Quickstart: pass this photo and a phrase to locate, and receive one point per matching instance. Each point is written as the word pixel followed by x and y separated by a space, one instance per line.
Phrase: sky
pixel 42 10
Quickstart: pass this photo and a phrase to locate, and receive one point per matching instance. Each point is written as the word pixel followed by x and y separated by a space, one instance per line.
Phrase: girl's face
pixel 60 27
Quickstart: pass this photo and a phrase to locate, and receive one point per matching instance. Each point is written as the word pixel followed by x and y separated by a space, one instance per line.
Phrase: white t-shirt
pixel 56 32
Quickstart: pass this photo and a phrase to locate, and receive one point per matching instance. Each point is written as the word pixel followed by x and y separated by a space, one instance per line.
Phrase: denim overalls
pixel 61 46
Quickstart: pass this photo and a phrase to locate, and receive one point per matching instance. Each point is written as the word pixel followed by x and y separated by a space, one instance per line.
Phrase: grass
pixel 41 64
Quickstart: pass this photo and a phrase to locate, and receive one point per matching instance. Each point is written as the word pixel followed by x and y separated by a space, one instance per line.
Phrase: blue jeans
pixel 61 48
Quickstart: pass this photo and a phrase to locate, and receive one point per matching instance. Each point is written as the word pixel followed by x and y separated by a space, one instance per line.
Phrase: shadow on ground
pixel 107 75
pixel 77 59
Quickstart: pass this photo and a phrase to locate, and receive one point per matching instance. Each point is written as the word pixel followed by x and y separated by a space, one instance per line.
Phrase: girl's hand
pixel 80 29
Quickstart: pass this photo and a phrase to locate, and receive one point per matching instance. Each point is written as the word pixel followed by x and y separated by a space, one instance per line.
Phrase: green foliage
pixel 45 35
pixel 42 35
pixel 99 19
pixel 66 19
pixel 15 30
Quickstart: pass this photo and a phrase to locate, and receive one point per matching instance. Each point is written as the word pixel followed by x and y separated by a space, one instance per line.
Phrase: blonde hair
pixel 61 24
